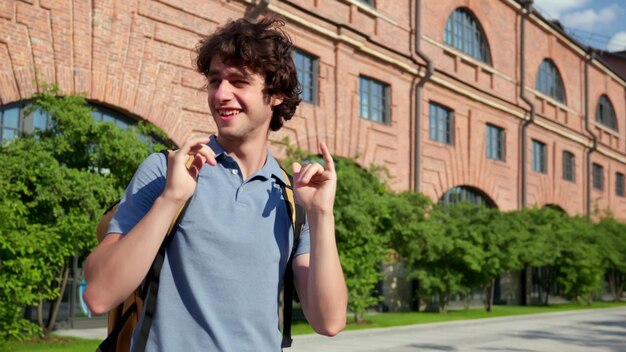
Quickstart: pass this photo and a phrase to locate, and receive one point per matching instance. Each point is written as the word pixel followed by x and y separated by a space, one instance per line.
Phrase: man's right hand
pixel 181 181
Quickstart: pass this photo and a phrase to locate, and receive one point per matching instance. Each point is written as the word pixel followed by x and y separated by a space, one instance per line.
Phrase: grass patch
pixel 411 318
pixel 55 344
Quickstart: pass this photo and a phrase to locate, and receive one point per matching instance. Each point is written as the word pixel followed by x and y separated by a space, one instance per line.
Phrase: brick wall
pixel 136 56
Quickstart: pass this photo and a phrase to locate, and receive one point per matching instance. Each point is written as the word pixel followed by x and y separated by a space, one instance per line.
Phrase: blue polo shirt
pixel 223 270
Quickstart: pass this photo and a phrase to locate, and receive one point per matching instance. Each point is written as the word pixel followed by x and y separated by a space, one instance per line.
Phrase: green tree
pixel 612 237
pixel 53 187
pixel 441 252
pixel 409 230
pixel 541 245
pixel 579 263
pixel 361 204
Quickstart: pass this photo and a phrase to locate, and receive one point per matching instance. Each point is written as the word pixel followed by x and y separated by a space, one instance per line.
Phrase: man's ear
pixel 276 100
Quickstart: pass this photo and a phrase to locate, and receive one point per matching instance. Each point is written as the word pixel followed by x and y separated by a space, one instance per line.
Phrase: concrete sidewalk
pixel 95 333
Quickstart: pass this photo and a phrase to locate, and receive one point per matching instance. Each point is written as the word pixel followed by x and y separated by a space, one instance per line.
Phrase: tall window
pixel 14 120
pixel 605 114
pixel 374 100
pixel 540 157
pixel 495 142
pixel 598 176
pixel 367 2
pixel 549 81
pixel 441 123
pixel 307 66
pixel 464 33
pixel 9 123
pixel 569 166
pixel 619 184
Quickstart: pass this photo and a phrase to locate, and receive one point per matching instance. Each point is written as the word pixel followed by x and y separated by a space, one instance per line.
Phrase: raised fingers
pixel 205 153
pixel 307 172
pixel 329 164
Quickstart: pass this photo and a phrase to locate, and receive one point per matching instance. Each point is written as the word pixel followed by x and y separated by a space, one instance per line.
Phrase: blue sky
pixel 599 23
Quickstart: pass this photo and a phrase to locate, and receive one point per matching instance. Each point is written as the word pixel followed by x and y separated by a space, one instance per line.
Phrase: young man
pixel 220 281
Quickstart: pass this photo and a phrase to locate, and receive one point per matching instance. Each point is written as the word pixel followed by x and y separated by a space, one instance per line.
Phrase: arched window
pixel 549 81
pixel 466 194
pixel 464 33
pixel 102 114
pixel 15 119
pixel 605 114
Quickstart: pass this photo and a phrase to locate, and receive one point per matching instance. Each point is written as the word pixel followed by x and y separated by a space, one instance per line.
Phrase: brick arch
pixel 134 57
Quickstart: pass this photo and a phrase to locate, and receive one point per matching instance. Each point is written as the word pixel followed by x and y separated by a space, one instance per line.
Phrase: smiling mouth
pixel 228 114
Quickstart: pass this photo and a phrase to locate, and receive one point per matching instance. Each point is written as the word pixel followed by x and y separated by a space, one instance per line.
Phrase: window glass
pixel 465 194
pixel 619 184
pixel 539 157
pixel 441 123
pixel 374 100
pixel 598 176
pixel 307 67
pixel 495 142
pixel 549 81
pixel 463 32
pixel 605 114
pixel 568 166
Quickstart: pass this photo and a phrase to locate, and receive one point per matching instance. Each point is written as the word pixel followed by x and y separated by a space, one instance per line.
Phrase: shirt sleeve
pixel 304 246
pixel 145 187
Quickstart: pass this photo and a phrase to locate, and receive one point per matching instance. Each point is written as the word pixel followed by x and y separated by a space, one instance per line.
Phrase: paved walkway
pixel 578 331
pixel 588 330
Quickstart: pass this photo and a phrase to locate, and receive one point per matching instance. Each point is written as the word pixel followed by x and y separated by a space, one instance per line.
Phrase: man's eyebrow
pixel 230 72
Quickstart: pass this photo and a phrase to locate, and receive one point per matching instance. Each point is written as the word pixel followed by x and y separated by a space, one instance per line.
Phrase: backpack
pixel 123 319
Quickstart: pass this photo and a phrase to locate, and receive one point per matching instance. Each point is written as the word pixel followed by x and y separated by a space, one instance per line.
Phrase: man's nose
pixel 224 91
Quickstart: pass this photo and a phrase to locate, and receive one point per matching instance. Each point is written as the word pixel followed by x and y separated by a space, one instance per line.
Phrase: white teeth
pixel 228 112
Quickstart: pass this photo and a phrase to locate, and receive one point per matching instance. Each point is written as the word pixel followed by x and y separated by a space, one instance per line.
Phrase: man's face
pixel 237 103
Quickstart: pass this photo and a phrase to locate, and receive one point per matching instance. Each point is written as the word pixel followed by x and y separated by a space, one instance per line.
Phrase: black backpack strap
pixel 295 210
pixel 151 283
pixel 110 343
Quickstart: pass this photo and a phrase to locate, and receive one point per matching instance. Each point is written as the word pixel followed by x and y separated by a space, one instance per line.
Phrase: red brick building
pixel 431 90
pixel 460 99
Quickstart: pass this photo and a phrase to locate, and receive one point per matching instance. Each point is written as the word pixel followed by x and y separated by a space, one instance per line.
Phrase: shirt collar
pixel 270 169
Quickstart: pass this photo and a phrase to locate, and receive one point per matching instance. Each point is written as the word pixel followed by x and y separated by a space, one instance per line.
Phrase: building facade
pixel 430 90
pixel 458 99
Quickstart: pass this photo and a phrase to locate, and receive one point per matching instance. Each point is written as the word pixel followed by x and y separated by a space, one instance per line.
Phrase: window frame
pixel 597 176
pixel 497 152
pixel 312 71
pixel 620 185
pixel 549 81
pixel 464 32
pixel 442 130
pixel 569 166
pixel 539 157
pixel 366 99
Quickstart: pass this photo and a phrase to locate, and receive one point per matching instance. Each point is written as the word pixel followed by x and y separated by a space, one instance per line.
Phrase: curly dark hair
pixel 264 48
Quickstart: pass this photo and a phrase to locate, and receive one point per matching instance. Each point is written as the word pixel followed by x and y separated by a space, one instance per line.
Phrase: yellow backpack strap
pixel 297 217
pixel 288 189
